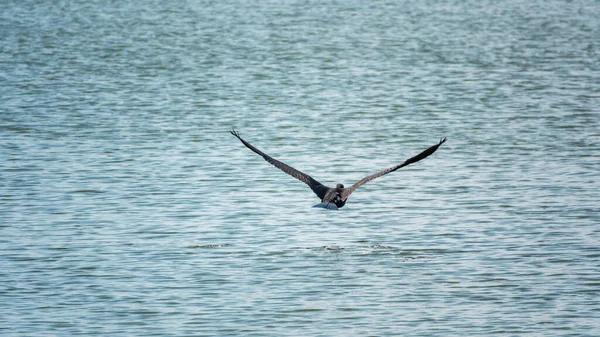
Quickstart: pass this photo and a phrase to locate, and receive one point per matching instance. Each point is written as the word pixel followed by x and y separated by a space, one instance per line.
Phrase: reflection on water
pixel 126 208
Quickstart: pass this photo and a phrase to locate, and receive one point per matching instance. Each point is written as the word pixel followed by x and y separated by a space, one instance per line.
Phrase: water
pixel 127 209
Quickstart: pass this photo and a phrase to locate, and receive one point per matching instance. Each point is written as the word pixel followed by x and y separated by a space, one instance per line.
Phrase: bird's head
pixel 339 186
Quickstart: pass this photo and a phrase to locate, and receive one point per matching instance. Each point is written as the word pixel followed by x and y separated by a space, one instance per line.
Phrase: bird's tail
pixel 326 205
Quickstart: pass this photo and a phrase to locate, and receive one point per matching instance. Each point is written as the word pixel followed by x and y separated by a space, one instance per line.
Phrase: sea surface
pixel 127 208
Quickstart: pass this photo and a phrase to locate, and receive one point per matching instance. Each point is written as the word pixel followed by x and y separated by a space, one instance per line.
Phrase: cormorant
pixel 334 197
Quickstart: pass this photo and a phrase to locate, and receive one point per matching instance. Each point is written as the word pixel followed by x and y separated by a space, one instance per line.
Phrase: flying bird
pixel 334 197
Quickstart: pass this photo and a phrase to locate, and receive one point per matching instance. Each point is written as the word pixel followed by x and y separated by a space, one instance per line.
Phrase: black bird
pixel 334 197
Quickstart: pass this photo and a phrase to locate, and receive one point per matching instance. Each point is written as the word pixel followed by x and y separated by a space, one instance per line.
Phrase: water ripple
pixel 127 209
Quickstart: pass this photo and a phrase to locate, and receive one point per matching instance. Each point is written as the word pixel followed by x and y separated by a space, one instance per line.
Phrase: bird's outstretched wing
pixel 346 193
pixel 316 186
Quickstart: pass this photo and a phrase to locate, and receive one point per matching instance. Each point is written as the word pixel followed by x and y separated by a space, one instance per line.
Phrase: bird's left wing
pixel 346 193
pixel 316 186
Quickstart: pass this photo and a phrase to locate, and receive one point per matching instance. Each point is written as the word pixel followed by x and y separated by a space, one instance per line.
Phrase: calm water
pixel 127 209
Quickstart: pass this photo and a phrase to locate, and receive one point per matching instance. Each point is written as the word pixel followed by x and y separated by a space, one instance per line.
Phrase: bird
pixel 334 198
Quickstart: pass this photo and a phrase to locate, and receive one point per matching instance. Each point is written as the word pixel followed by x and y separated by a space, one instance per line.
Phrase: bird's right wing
pixel 346 193
pixel 316 186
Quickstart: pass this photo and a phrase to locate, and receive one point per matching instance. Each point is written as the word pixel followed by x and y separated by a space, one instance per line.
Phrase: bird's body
pixel 334 197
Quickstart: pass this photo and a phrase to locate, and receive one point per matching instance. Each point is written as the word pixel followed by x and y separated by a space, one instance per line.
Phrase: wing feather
pixel 346 193
pixel 316 186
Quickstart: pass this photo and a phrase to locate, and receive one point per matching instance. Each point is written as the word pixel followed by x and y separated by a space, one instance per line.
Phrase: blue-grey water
pixel 127 209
